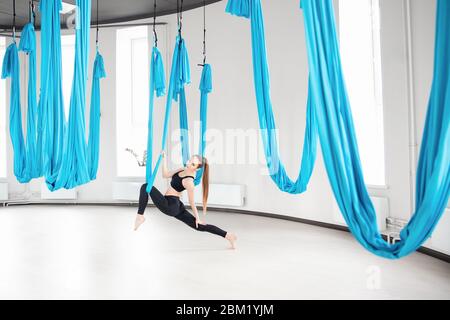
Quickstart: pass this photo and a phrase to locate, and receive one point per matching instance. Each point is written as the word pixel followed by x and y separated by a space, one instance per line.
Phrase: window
pixel 68 62
pixel 3 107
pixel 132 100
pixel 359 25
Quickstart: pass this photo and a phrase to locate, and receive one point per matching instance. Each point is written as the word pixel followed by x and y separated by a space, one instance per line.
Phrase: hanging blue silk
pixel 54 149
pixel 339 144
pixel 180 76
pixel 171 94
pixel 181 79
pixel 74 170
pixel 51 116
pixel 205 88
pixel 28 45
pixel 11 69
pixel 94 118
pixel 68 161
pixel 246 8
pixel 329 100
pixel 159 77
pixel 27 164
pixel 158 86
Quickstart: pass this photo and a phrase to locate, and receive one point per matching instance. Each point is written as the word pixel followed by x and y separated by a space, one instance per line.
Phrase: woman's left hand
pixel 198 221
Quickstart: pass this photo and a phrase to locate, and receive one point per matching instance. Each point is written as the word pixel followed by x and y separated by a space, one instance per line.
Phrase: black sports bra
pixel 177 181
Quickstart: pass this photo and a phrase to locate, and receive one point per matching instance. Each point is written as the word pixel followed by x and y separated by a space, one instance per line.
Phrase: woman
pixel 171 205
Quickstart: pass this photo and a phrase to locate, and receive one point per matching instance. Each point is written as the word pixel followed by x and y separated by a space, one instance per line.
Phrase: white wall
pixel 423 34
pixel 395 98
pixel 232 103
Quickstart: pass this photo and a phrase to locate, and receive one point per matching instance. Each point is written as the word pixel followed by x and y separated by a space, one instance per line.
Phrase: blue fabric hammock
pixel 51 116
pixel 158 86
pixel 25 165
pixel 205 88
pixel 55 149
pixel 11 69
pixel 329 103
pixel 266 117
pixel 73 169
pixel 180 76
pixel 28 45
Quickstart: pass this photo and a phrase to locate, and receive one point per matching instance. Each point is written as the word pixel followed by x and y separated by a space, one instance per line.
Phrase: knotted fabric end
pixel 240 8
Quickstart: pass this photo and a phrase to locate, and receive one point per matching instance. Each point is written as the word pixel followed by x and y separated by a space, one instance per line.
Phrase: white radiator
pixel 126 191
pixel 61 194
pixel 4 191
pixel 220 195
pixel 381 206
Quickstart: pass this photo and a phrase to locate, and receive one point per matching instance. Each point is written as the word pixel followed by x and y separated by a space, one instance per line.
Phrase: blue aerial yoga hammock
pixel 205 88
pixel 158 86
pixel 73 169
pixel 51 117
pixel 266 117
pixel 11 69
pixel 329 102
pixel 55 149
pixel 25 165
pixel 28 45
pixel 180 75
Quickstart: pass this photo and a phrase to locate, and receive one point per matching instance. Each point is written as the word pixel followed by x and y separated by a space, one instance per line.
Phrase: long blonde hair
pixel 205 180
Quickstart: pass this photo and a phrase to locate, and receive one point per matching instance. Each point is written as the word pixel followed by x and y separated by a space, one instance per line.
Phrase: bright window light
pixel 359 26
pixel 67 8
pixel 68 62
pixel 132 100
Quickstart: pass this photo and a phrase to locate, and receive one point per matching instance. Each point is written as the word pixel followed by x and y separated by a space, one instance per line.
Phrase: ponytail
pixel 205 184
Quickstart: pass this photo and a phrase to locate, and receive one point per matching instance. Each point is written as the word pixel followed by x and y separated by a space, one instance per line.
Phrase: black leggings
pixel 172 206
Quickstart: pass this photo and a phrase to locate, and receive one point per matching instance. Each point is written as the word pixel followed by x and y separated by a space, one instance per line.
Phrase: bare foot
pixel 139 221
pixel 232 239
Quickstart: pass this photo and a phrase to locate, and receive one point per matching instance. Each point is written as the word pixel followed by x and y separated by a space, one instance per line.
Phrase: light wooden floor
pixel 82 252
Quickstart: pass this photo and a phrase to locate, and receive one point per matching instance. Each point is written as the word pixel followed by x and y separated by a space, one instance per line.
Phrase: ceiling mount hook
pixel 32 13
pixel 98 28
pixel 155 34
pixel 204 34
pixel 14 21
pixel 180 17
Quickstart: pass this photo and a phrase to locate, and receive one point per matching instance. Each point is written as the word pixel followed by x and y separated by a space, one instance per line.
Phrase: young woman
pixel 171 205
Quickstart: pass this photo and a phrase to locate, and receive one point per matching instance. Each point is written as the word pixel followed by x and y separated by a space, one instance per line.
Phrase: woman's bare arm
pixel 165 172
pixel 190 187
